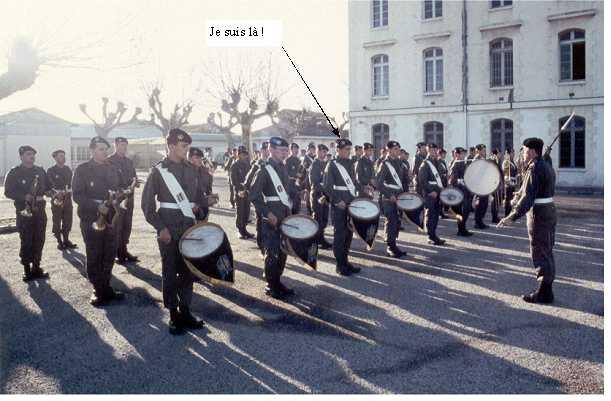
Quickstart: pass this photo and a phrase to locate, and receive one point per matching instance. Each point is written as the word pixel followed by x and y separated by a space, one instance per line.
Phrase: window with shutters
pixel 573 143
pixel 380 134
pixel 379 13
pixel 501 63
pixel 500 3
pixel 501 134
pixel 380 75
pixel 433 70
pixel 432 9
pixel 572 55
pixel 433 133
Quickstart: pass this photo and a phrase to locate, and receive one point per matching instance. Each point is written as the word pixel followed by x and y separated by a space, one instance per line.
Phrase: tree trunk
pixel 246 138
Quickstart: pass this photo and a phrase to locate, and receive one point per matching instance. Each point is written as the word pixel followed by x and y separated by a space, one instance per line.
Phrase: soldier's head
pixel 432 150
pixel 294 149
pixel 99 149
pixel 243 153
pixel 196 156
pixel 383 153
pixel 472 151
pixel 121 145
pixel 264 150
pixel 509 153
pixel 403 155
pixel 532 148
pixel 442 154
pixel 234 152
pixel 279 149
pixel 302 152
pixel 178 142
pixel 481 150
pixel 422 149
pixel 322 151
pixel 394 149
pixel 358 150
pixel 459 153
pixel 27 154
pixel 311 149
pixel 60 157
pixel 344 148
pixel 368 149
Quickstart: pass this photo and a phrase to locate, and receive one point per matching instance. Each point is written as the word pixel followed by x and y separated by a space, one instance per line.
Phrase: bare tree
pixel 110 119
pixel 24 61
pixel 290 122
pixel 343 132
pixel 179 117
pixel 220 126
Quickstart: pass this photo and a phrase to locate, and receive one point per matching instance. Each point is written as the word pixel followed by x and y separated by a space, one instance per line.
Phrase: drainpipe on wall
pixel 465 72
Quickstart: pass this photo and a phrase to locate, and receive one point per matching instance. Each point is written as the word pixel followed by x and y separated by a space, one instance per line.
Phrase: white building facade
pixel 495 72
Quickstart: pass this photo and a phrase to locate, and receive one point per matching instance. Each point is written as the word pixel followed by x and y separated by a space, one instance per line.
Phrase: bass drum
pixel 482 177
pixel 207 253
pixel 451 196
pixel 298 233
pixel 408 201
pixel 364 219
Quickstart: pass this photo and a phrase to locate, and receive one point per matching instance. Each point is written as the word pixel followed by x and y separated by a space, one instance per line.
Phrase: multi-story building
pixel 460 73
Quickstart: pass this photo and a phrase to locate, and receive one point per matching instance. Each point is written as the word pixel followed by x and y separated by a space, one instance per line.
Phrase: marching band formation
pixel 349 188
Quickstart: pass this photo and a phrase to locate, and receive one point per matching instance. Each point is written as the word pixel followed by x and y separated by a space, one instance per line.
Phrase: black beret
pixel 404 151
pixel 311 145
pixel 420 144
pixel 25 148
pixel 508 150
pixel 294 145
pixel 392 144
pixel 534 143
pixel 343 142
pixel 58 151
pixel 265 145
pixel 442 150
pixel 242 150
pixel 193 151
pixel 97 139
pixel 276 141
pixel 322 146
pixel 120 139
pixel 177 135
pixel 472 148
pixel 358 147
pixel 368 145
pixel 458 149
pixel 431 145
pixel 480 146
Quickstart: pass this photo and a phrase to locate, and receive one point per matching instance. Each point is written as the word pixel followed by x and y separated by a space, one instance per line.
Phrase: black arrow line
pixel 334 130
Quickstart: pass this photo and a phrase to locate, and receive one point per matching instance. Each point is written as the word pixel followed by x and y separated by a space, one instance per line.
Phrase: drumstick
pixel 290 225
pixel 193 239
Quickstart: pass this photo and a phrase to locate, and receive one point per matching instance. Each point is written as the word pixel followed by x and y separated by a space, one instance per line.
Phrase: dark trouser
pixel 541 224
pixel 124 228
pixel 481 208
pixel 32 236
pixel 393 222
pixel 342 235
pixel 275 259
pixel 242 213
pixel 463 210
pixel 296 206
pixel 176 279
pixel 259 221
pixel 509 191
pixel 309 202
pixel 321 215
pixel 62 219
pixel 232 196
pixel 496 204
pixel 101 249
pixel 431 215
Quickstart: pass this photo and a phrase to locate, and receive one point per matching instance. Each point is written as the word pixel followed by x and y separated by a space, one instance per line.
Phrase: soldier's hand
pixel 212 199
pixel 273 220
pixel 103 209
pixel 29 198
pixel 341 205
pixel 195 209
pixel 242 194
pixel 164 236
pixel 433 195
pixel 393 199
pixel 506 221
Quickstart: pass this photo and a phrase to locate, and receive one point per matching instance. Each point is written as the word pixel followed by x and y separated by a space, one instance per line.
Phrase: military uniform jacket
pixel 513 173
pixel 59 177
pixel 443 172
pixel 239 169
pixel 263 187
pixel 252 173
pixel 539 182
pixel 418 159
pixel 306 164
pixel 405 177
pixel 426 178
pixel 386 184
pixel 316 178
pixel 365 173
pixel 125 166
pixel 90 185
pixel 18 184
pixel 333 178
pixel 456 175
pixel 292 165
pixel 155 188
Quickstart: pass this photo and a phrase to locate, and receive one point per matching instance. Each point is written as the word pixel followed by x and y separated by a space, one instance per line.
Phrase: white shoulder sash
pixel 435 173
pixel 284 197
pixel 346 178
pixel 394 174
pixel 177 192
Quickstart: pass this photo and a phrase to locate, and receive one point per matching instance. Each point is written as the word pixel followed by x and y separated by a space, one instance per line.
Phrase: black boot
pixel 98 298
pixel 68 244
pixel 27 273
pixel 175 324
pixel 342 270
pixel 353 268
pixel 129 257
pixel 112 294
pixel 436 241
pixel 285 290
pixel 463 232
pixel 274 292
pixel 37 272
pixel 188 320
pixel 394 252
pixel 60 244
pixel 543 294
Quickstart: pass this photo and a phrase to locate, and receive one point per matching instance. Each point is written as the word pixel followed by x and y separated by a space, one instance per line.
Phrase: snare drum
pixel 299 238
pixel 408 201
pixel 482 177
pixel 364 219
pixel 207 253
pixel 451 196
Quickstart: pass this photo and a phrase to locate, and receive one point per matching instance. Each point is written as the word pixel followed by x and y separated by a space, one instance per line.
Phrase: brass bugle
pixel 29 205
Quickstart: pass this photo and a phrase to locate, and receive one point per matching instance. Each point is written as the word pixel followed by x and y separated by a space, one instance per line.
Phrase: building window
pixel 82 154
pixel 432 9
pixel 379 136
pixel 380 73
pixel 573 143
pixel 501 134
pixel 501 63
pixel 433 133
pixel 433 70
pixel 379 14
pixel 500 3
pixel 572 55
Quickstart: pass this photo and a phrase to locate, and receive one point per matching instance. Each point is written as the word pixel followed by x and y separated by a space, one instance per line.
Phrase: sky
pixel 118 49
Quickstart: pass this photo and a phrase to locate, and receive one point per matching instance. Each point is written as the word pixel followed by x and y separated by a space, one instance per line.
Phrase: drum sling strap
pixel 435 173
pixel 346 178
pixel 284 198
pixel 395 176
pixel 177 192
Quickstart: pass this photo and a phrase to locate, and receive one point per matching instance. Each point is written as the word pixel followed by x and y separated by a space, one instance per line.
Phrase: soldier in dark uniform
pixel 430 184
pixel 340 195
pixel 292 166
pixel 388 182
pixel 510 177
pixel 170 223
pixel 255 166
pixel 196 157
pixel 536 200
pixel 232 158
pixel 380 159
pixel 407 169
pixel 306 163
pixel 418 158
pixel 270 203
pixel 319 200
pixel 239 169
pixel 471 153
pixel 443 173
pixel 365 174
pixel 481 201
pixel 358 153
pixel 457 179
pixel 91 184
pixel 60 180
pixel 127 175
pixel 497 200
pixel 26 184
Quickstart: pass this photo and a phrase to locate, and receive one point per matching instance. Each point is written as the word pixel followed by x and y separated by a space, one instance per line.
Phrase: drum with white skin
pixel 451 196
pixel 364 219
pixel 408 201
pixel 299 240
pixel 482 177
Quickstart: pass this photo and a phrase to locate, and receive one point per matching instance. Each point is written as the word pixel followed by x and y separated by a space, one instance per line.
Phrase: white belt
pixel 461 181
pixel 172 205
pixel 393 186
pixel 98 201
pixel 271 198
pixel 340 188
pixel 540 201
pixel 433 182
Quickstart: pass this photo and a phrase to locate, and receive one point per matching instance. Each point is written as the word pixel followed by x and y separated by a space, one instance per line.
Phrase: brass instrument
pixel 128 192
pixel 100 223
pixel 59 196
pixel 29 205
